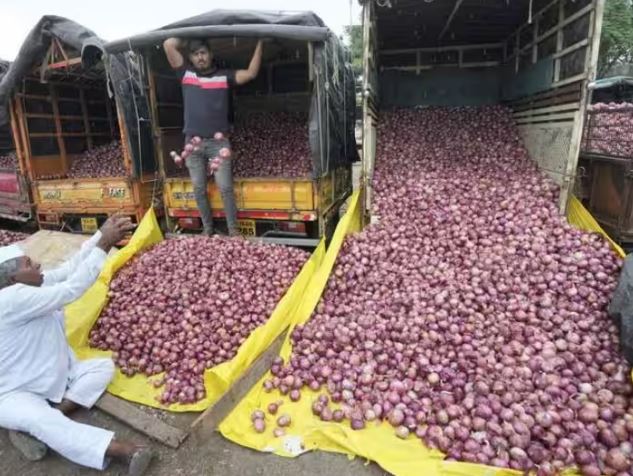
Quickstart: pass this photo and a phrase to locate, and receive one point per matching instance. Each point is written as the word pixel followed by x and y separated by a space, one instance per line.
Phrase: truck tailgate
pixel 250 194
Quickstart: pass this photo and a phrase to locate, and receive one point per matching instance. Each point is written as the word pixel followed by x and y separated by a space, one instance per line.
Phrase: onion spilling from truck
pixel 472 315
pixel 187 305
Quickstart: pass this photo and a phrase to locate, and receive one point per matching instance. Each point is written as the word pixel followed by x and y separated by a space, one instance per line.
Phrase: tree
pixel 354 40
pixel 616 43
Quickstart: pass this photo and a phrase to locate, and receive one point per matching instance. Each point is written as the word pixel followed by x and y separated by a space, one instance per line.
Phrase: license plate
pixel 89 225
pixel 246 227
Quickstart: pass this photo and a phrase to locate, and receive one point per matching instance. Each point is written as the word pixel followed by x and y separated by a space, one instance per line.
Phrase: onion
pixel 284 420
pixel 402 432
pixel 101 161
pixel 338 415
pixel 279 432
pixel 271 145
pixel 167 313
pixel 259 425
pixel 617 460
pixel 10 237
pixel 471 313
pixel 9 163
pixel 273 408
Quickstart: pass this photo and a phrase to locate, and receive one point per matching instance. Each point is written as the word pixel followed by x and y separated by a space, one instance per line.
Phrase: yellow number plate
pixel 89 225
pixel 246 227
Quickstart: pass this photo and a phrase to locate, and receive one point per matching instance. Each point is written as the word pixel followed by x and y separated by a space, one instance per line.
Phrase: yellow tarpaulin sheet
pixel 82 315
pixel 377 442
pixel 580 217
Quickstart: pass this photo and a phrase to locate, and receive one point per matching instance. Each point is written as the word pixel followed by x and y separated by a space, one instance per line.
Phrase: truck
pixel 606 157
pixel 305 71
pixel 15 195
pixel 62 105
pixel 535 57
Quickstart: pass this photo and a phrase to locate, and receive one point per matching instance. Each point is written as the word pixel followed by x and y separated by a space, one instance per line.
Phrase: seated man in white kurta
pixel 41 380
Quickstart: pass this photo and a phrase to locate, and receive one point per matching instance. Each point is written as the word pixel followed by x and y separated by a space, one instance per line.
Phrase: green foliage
pixel 616 43
pixel 354 40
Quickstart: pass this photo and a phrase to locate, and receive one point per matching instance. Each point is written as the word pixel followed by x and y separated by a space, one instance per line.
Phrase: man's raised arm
pixel 245 75
pixel 172 50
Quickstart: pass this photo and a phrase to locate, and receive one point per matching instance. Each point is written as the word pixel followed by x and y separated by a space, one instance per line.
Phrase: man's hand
pixel 114 230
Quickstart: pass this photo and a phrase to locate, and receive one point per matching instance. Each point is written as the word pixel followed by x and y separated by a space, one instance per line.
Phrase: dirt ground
pixel 215 458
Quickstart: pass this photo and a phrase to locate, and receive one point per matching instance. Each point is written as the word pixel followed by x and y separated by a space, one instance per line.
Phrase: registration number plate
pixel 89 225
pixel 246 227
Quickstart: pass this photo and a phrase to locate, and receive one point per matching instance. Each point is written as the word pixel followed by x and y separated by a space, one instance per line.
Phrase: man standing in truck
pixel 205 91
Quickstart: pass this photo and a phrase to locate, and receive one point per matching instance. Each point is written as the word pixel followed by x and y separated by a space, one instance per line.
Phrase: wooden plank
pixel 209 420
pixel 572 79
pixel 65 64
pixel 558 29
pixel 68 134
pixel 572 48
pixel 59 131
pixel 483 46
pixel 555 101
pixel 17 139
pixel 550 93
pixel 547 110
pixel 141 421
pixel 563 116
pixel 41 97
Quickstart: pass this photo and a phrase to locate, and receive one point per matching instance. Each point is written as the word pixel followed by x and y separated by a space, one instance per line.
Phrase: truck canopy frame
pixel 331 125
pixel 534 56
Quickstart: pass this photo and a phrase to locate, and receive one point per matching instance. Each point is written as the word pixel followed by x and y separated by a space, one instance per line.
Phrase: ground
pixel 217 457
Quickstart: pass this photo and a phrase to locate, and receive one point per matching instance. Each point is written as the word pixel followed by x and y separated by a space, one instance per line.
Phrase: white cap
pixel 10 252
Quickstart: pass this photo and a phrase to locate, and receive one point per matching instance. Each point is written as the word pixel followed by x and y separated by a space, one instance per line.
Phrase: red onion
pixel 471 305
pixel 284 420
pixel 271 144
pixel 9 162
pixel 338 415
pixel 606 129
pixel 259 425
pixel 101 161
pixel 273 407
pixel 279 432
pixel 10 237
pixel 167 312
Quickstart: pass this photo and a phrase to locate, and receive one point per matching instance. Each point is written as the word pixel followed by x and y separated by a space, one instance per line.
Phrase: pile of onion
pixel 187 305
pixel 9 162
pixel 8 237
pixel 472 315
pixel 101 161
pixel 272 144
pixel 609 129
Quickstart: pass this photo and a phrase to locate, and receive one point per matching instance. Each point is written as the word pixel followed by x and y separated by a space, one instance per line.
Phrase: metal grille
pixel 548 145
pixel 609 130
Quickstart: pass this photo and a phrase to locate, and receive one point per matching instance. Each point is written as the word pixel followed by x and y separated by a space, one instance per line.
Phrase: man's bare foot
pixel 138 456
pixel 31 448
pixel 67 406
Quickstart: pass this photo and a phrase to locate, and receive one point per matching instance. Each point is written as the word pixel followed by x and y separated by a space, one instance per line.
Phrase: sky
pixel 113 19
